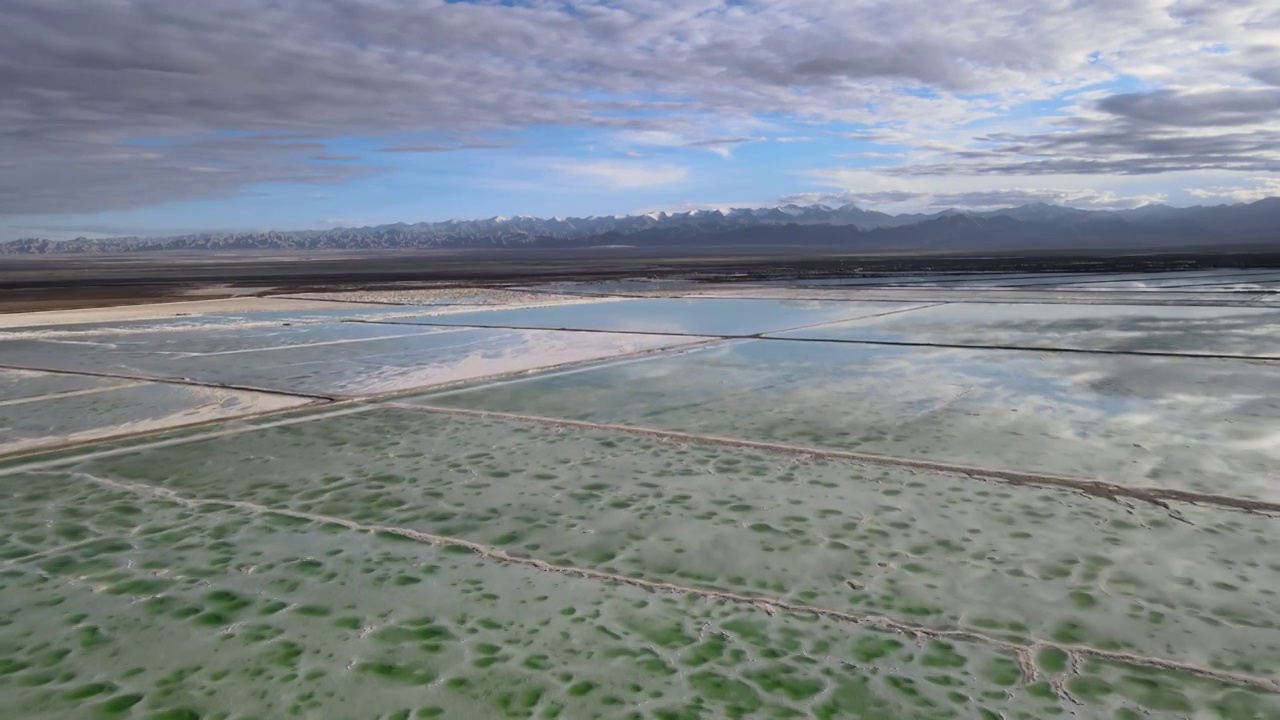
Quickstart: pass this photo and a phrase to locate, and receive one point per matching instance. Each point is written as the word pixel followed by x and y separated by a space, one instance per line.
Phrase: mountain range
pixel 1034 227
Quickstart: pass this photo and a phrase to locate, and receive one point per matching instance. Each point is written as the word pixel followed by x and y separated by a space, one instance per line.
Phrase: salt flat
pixel 708 317
pixel 1196 330
pixel 1185 423
pixel 875 498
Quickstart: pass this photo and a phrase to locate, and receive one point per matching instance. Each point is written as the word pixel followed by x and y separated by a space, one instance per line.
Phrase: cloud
pixel 1119 148
pixel 653 138
pixel 880 137
pixel 978 199
pixel 869 155
pixel 1136 133
pixel 622 174
pixel 793 139
pixel 691 205
pixel 110 104
pixel 1252 190
pixel 1268 75
pixel 722 146
pixel 1084 199
pixel 869 187
pixel 67 176
pixel 71 230
pixel 865 199
pixel 477 145
pixel 1211 108
pixel 417 149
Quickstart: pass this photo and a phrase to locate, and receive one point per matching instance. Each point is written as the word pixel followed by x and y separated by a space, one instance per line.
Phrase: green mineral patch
pixel 933 549
pixel 1065 414
pixel 373 560
pixel 414 650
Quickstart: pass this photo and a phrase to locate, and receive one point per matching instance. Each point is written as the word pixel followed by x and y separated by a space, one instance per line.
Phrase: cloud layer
pixel 111 104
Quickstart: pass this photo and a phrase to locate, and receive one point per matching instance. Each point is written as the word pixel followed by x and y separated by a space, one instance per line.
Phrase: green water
pixel 164 611
pixel 929 549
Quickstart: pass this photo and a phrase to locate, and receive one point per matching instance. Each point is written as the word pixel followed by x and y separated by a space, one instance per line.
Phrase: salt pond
pixel 619 508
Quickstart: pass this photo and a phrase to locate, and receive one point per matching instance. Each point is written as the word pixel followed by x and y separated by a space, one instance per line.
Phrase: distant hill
pixel 1029 227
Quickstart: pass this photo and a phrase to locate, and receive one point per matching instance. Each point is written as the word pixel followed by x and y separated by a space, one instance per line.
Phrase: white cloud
pixel 869 155
pixel 1253 189
pixel 690 205
pixel 691 137
pixel 654 138
pixel 907 201
pixel 622 174
pixel 894 193
pixel 722 146
pixel 949 82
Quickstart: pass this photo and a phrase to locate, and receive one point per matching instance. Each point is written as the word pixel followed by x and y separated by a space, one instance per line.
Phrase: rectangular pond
pixel 1123 328
pixel 123 409
pixel 704 316
pixel 1198 424
pixel 25 385
pixel 127 603
pixel 930 549
pixel 343 359
pixel 314 313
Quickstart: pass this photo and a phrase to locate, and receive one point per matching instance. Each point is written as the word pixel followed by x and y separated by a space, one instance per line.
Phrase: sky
pixel 156 117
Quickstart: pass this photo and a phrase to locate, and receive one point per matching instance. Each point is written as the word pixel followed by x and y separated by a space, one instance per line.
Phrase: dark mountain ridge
pixel 1028 227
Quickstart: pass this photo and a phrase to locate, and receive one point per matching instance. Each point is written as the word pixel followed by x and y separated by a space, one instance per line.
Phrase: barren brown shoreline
pixel 33 283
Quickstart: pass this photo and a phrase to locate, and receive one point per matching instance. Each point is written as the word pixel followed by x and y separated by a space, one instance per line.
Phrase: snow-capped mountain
pixel 847 225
